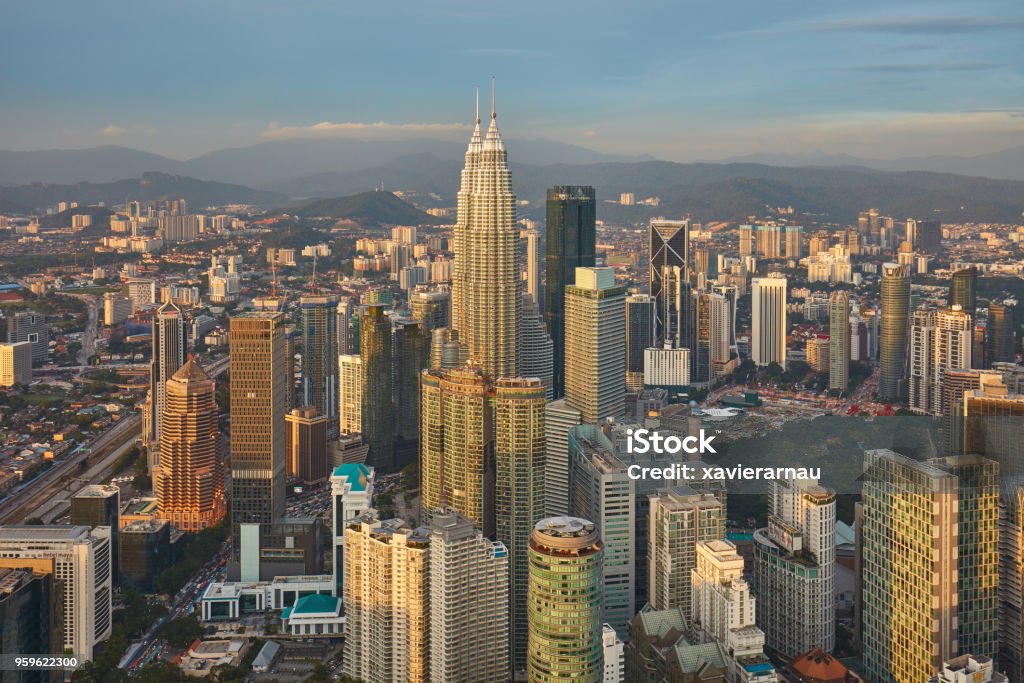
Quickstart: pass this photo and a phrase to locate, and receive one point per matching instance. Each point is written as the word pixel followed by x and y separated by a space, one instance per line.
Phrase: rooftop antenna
pixel 494 114
pixel 478 106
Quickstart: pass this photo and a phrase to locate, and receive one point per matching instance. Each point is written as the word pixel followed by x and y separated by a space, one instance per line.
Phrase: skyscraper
pixel 469 603
pixel 564 601
pixel 999 339
pixel 795 568
pixel 533 264
pixel 519 489
pixel 411 354
pixel 486 284
pixel 30 618
pixel 669 254
pixel 839 338
pixel 168 356
pixel 794 242
pixel 378 415
pixel 963 291
pixel 15 364
pixel 571 244
pixel 639 336
pixel 910 567
pixel 31 327
pixel 559 418
pixel 537 358
pixel 768 311
pixel 100 505
pixel 350 393
pixel 595 369
pixel 305 444
pixel 457 445
pixel 258 405
pixel 432 307
pixel 679 518
pixel 939 341
pixel 189 481
pixel 320 357
pixel 893 336
pixel 387 601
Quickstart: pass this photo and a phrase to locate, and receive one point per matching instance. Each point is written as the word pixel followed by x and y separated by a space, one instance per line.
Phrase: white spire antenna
pixel 494 114
pixel 478 106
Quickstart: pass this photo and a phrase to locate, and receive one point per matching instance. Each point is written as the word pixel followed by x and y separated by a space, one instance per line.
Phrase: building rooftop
pixel 356 474
pixel 313 605
pixel 28 532
pixel 97 491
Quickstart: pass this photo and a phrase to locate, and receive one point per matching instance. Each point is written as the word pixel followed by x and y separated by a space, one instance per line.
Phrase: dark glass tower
pixel 571 244
pixel 999 334
pixel 963 292
pixel 320 357
pixel 669 277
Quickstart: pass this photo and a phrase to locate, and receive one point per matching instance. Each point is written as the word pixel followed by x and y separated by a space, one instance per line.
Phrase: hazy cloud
pixel 923 68
pixel 919 24
pixel 116 131
pixel 356 129
pixel 113 131
pixel 504 52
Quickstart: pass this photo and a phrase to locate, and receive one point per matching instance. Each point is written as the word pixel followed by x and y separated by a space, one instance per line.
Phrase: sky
pixel 679 79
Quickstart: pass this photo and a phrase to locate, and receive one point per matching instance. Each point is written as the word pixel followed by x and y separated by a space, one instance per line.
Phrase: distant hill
pixel 150 186
pixel 67 166
pixel 9 207
pixel 365 208
pixel 100 217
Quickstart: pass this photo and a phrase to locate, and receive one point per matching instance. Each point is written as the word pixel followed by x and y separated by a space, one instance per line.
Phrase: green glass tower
pixel 564 602
pixel 571 244
pixel 378 419
pixel 894 335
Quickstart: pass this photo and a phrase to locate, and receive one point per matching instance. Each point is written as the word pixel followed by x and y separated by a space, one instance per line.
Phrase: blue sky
pixel 678 79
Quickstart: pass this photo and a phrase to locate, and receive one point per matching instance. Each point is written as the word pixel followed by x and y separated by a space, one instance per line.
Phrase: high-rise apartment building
pixel 564 602
pixel 839 341
pixel 639 336
pixel 669 260
pixel 469 603
pixel 82 563
pixel 387 601
pixel 378 414
pixel 768 311
pixel 595 369
pixel 571 244
pixel 794 572
pixel 189 481
pixel 258 406
pixel 939 341
pixel 351 497
pixel 116 309
pixel 31 327
pixel 909 573
pixel 746 244
pixel 679 518
pixel 893 335
pixel 457 445
pixel 794 242
pixel 15 364
pixel 350 394
pixel 320 357
pixel 519 498
pixel 305 445
pixel 168 357
pixel 486 284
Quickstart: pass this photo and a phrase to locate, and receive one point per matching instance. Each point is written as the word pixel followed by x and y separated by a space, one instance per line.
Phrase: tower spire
pixel 478 106
pixel 494 114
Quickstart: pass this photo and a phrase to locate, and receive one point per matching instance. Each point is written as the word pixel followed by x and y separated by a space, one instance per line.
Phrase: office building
pixel 100 505
pixel 768 311
pixel 351 496
pixel 350 394
pixel 469 603
pixel 305 445
pixel 559 418
pixel 411 355
pixel 669 260
pixel 259 401
pixel 519 498
pixel 116 309
pixel 378 414
pixel 909 572
pixel 533 261
pixel 794 568
pixel 145 552
pixel 15 364
pixel 640 315
pixel 571 244
pixel 189 481
pixel 168 357
pixel 486 285
pixel 564 601
pixel 320 358
pixel 537 359
pixel 387 601
pixel 667 368
pixel 1000 343
pixel 30 327
pixel 595 368
pixel 1011 580
pixel 963 290
pixel 893 335
pixel 431 307
pixel 457 445
pixel 30 617
pixel 839 338
pixel 142 292
pixel 602 491
pixel 679 518
pixel 723 609
pixel 924 235
pixel 82 564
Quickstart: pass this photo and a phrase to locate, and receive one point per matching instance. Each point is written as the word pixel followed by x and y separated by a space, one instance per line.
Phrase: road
pixel 89 335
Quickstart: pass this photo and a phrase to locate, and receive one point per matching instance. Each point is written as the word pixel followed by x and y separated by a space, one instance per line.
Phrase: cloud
pixel 113 131
pixel 504 52
pixel 904 25
pixel 590 133
pixel 116 131
pixel 358 129
pixel 924 68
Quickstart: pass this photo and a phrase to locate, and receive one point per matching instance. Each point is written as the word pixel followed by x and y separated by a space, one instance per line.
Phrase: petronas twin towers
pixel 486 285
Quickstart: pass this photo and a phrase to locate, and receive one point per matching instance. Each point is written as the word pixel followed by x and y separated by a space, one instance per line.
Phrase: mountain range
pixel 270 174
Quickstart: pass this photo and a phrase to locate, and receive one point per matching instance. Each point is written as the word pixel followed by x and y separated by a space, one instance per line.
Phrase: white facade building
pixel 768 333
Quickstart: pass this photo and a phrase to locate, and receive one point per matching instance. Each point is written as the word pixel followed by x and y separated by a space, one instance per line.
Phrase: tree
pixel 181 632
